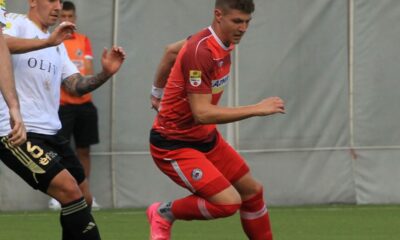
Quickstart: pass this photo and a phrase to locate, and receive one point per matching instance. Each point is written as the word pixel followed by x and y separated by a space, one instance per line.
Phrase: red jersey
pixel 202 67
pixel 79 49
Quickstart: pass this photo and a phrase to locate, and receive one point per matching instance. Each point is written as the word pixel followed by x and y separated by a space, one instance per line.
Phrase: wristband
pixel 157 92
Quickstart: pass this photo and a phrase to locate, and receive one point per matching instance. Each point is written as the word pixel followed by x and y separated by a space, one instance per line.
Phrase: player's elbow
pixel 12 47
pixel 71 91
pixel 170 51
pixel 202 118
pixel 75 92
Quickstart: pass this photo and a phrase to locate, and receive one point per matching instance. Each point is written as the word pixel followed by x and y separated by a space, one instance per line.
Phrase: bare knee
pixel 229 196
pixel 64 188
pixel 84 187
pixel 67 192
pixel 248 187
pixel 253 189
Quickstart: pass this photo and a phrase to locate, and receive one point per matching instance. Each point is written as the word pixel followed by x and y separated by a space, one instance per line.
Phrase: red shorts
pixel 204 174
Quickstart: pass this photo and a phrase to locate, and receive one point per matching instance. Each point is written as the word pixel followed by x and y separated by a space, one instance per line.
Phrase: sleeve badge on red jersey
pixel 197 174
pixel 195 78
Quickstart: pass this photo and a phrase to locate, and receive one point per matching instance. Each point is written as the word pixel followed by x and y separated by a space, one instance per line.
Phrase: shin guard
pixel 77 222
pixel 255 218
pixel 196 208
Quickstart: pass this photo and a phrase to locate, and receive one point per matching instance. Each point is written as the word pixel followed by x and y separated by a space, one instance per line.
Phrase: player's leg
pixel 193 207
pixel 254 215
pixel 70 161
pixel 64 187
pixel 253 212
pixel 213 196
pixel 83 154
pixel 67 114
pixel 75 217
pixel 84 187
pixel 86 133
pixel 72 164
pixel 38 164
pixel 196 207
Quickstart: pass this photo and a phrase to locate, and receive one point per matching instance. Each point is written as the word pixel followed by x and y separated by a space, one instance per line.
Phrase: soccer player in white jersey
pixel 46 161
pixel 17 135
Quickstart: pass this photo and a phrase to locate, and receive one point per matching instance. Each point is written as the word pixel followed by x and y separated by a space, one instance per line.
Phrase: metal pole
pixel 112 105
pixel 351 71
pixel 232 128
pixel 236 99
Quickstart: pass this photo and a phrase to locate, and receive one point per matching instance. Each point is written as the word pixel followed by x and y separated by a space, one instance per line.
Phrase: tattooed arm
pixel 79 85
pixel 111 61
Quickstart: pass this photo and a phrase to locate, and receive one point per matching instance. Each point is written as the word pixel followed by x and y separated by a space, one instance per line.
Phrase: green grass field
pixel 289 223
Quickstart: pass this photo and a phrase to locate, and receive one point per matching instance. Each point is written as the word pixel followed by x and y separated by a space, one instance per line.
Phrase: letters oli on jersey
pixel 195 78
pixel 43 65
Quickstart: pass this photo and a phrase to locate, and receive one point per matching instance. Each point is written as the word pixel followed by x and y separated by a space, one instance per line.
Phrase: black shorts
pixel 81 122
pixel 40 159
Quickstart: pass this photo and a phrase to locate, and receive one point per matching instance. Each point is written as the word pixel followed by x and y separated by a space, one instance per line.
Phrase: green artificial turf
pixel 289 223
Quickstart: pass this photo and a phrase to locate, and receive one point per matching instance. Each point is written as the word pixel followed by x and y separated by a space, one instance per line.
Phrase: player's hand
pixel 112 60
pixel 155 102
pixel 61 32
pixel 270 106
pixel 17 136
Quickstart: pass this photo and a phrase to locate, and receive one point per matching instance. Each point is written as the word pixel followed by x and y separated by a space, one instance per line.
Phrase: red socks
pixel 253 213
pixel 255 218
pixel 196 208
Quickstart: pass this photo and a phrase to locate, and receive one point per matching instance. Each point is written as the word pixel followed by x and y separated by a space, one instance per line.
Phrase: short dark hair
pixel 68 5
pixel 246 6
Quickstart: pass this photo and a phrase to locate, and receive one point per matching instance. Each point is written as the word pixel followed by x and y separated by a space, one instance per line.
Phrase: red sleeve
pixel 88 48
pixel 197 68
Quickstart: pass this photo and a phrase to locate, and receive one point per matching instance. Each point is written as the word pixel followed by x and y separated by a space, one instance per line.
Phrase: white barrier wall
pixel 338 142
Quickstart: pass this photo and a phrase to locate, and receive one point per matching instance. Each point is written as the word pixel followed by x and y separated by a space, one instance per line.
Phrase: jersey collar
pixel 219 40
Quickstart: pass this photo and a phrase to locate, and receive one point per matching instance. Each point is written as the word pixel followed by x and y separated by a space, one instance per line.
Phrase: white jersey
pixel 38 75
pixel 2 13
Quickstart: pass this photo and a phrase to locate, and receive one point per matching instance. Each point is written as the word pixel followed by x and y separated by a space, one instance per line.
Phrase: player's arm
pixel 166 63
pixel 111 61
pixel 22 45
pixel 163 71
pixel 206 113
pixel 197 65
pixel 17 135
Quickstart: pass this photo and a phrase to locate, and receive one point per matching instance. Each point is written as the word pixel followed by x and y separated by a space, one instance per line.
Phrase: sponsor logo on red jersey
pixel 219 84
pixel 195 78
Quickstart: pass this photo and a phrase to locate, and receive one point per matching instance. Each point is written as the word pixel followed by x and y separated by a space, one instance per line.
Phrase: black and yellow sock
pixel 77 222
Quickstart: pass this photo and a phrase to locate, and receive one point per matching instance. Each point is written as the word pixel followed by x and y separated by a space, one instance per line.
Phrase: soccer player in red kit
pixel 184 141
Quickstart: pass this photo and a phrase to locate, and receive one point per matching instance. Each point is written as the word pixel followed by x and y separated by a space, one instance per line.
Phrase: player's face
pixel 234 24
pixel 68 16
pixel 47 10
